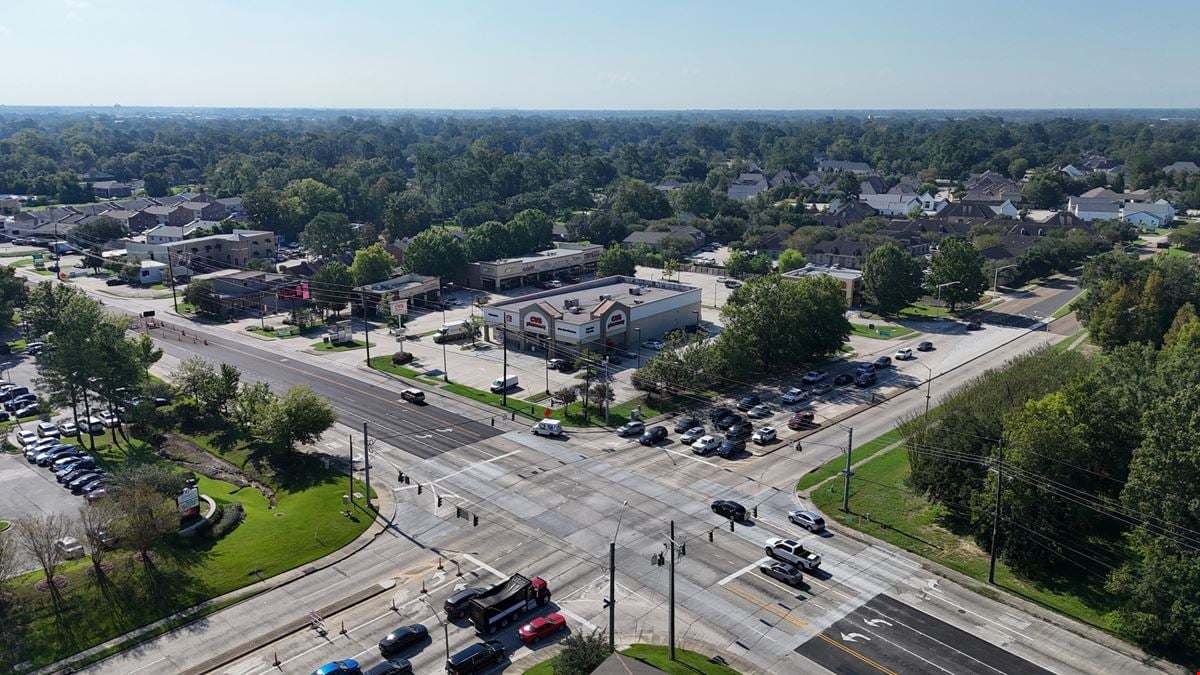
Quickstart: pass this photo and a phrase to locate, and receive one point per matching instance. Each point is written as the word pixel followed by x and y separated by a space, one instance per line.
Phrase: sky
pixel 607 55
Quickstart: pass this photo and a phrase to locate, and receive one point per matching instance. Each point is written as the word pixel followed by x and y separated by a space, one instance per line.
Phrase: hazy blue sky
pixel 613 54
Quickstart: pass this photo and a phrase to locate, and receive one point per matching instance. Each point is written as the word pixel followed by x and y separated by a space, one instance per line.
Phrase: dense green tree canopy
pixel 892 278
pixel 435 252
pixel 958 269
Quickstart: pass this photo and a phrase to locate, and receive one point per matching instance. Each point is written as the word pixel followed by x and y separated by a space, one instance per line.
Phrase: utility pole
pixel 587 385
pixel 351 493
pixel 504 384
pixel 671 591
pixel 171 273
pixel 612 581
pixel 366 337
pixel 607 392
pixel 367 461
pixel 996 513
pixel 847 473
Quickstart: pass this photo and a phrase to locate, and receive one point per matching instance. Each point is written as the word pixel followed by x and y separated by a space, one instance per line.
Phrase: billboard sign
pixel 398 307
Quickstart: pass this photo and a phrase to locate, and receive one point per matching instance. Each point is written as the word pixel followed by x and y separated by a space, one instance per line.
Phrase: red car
pixel 541 627
pixel 801 420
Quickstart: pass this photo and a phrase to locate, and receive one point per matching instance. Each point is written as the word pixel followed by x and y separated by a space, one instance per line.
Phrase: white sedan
pixel 653 344
pixel 794 395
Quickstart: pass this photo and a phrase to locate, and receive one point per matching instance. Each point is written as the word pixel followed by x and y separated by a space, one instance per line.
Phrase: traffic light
pixel 439 498
pixel 474 521
pixel 754 510
pixel 458 512
pixel 400 476
pixel 682 549
pixel 731 524
pixel 710 536
pixel 418 488
pixel 607 603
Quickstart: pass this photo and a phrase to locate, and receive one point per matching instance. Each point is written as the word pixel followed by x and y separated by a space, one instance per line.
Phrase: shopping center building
pixel 615 312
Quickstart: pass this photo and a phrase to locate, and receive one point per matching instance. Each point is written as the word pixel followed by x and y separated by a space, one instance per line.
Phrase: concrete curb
pixel 287 629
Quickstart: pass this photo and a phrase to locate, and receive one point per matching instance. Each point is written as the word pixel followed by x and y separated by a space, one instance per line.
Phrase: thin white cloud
pixel 615 78
pixel 75 8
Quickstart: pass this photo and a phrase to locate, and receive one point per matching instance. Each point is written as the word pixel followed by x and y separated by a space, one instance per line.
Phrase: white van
pixel 547 428
pixel 503 384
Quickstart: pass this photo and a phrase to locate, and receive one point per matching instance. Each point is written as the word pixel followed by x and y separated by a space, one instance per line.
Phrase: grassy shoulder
pixel 305 523
pixel 835 466
pixel 1069 307
pixel 685 663
pixel 879 491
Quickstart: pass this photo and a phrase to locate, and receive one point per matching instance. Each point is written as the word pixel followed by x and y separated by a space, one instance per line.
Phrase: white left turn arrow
pixel 854 637
pixel 876 622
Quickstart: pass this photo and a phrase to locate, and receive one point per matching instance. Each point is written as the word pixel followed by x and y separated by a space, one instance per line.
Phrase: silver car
pixel 781 571
pixel 807 519
pixel 691 435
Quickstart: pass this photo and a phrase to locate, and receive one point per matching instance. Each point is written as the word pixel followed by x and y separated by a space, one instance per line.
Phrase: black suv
pixel 729 420
pixel 475 658
pixel 729 509
pixel 456 605
pixel 686 423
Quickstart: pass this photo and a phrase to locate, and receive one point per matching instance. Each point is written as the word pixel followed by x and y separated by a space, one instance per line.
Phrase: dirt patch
pixel 191 456
pixel 60 582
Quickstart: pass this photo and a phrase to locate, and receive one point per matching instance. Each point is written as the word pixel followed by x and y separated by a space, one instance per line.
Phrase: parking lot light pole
pixel 638 345
pixel 445 628
pixel 442 302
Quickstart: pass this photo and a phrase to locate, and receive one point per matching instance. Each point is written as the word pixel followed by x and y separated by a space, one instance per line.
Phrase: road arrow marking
pixel 875 623
pixel 444 431
pixel 854 637
pixel 424 436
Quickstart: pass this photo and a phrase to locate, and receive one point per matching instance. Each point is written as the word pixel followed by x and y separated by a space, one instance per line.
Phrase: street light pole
pixel 442 302
pixel 445 628
pixel 612 580
pixel 504 341
pixel 638 345
pixel 996 277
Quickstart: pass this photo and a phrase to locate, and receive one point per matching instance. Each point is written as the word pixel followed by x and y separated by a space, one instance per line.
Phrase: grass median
pixel 880 332
pixel 685 663
pixel 835 466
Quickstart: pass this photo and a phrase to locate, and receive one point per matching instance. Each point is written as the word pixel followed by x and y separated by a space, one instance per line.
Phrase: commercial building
pixel 610 313
pixel 567 259
pixel 414 289
pixel 209 253
pixel 248 292
pixel 851 279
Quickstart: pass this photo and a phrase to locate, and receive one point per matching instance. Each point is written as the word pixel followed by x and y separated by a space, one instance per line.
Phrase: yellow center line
pixel 800 623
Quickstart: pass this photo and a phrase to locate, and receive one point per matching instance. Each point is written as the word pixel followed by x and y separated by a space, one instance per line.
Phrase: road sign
pixel 398 307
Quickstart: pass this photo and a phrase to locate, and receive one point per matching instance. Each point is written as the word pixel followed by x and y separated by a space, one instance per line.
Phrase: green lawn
pixel 26 262
pixel 1066 309
pixel 305 525
pixel 906 520
pixel 330 347
pixel 685 663
pixel 923 312
pixel 159 287
pixel 863 330
pixel 186 308
pixel 835 466
pixel 1177 253
pixel 17 345
pixel 45 273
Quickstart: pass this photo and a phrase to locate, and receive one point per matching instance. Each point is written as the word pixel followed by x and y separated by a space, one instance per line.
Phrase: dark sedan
pixel 843 379
pixel 718 414
pixel 729 509
pixel 653 435
pixel 739 431
pixel 401 638
pixel 729 420
pixel 731 447
pixel 456 605
pixel 686 423
pixel 747 402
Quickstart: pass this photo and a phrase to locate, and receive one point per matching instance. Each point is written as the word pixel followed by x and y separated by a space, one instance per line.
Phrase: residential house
pixel 10 205
pixel 134 221
pixel 1011 246
pixel 854 211
pixel 860 168
pixel 747 186
pixel 669 185
pixel 139 204
pixel 975 212
pixel 872 185
pixel 1073 172
pixel 1094 208
pixel 165 234
pixel 97 176
pixel 1158 214
pixel 838 253
pixel 770 243
pixel 1129 196
pixel 1057 220
pixel 233 205
pixel 785 177
pixel 991 187
pixel 111 189
pixel 924 230
pixel 170 215
pixel 152 272
pixel 690 237
pixel 892 205
pixel 907 185
pixel 204 210
pixel 1181 168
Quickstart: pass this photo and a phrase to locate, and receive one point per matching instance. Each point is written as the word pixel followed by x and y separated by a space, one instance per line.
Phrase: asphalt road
pixel 422 430
pixel 888 636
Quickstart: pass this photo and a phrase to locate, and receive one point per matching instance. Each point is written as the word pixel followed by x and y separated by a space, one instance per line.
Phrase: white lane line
pixel 572 615
pixel 932 639
pixel 740 572
pixel 158 660
pixel 476 464
pixel 484 566
pixel 692 456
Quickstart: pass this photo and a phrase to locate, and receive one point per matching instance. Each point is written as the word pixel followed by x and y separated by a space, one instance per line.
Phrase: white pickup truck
pixel 793 552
